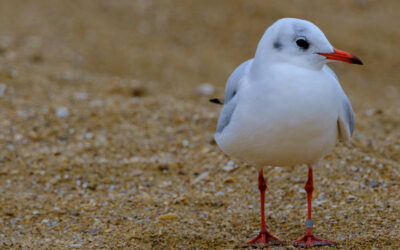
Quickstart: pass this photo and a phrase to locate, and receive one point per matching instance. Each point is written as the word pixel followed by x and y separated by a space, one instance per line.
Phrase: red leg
pixel 264 237
pixel 309 240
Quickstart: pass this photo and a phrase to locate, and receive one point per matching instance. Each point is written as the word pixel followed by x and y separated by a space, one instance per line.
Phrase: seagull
pixel 286 107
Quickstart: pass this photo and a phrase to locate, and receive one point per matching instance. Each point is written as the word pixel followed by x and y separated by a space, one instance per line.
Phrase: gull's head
pixel 300 42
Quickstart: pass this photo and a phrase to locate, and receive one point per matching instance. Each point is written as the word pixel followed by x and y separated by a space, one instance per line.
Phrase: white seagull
pixel 286 107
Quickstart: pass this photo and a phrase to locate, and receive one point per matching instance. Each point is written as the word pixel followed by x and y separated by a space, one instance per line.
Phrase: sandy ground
pixel 106 144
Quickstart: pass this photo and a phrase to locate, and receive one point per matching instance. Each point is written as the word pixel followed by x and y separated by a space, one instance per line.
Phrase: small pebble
pixel 229 180
pixel 205 89
pixel 230 167
pixel 2 89
pixel 146 196
pixel 201 177
pixel 170 216
pixel 140 221
pixel 96 103
pixel 81 96
pixel 88 135
pixel 351 197
pixel 62 112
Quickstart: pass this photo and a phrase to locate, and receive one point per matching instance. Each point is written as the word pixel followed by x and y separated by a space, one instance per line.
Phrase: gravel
pixel 105 142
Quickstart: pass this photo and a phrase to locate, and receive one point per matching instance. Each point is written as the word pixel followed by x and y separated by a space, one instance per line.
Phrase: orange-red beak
pixel 342 56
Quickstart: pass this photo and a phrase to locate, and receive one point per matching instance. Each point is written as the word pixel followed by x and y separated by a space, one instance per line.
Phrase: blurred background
pixel 184 43
pixel 106 129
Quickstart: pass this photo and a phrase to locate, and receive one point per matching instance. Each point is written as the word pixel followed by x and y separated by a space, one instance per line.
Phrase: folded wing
pixel 231 90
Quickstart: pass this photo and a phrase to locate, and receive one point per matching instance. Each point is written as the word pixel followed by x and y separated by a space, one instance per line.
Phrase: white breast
pixel 285 119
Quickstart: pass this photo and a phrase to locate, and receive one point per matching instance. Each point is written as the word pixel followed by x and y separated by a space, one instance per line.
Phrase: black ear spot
pixel 302 43
pixel 277 45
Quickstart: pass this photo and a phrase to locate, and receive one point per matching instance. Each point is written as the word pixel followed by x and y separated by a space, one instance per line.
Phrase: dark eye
pixel 302 43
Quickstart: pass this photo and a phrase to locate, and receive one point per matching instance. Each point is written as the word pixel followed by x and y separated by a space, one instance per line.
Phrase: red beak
pixel 342 56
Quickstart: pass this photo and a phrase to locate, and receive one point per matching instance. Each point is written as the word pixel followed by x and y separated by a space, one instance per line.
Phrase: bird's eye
pixel 302 43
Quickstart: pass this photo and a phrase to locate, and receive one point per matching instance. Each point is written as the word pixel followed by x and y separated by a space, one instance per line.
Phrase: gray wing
pixel 226 114
pixel 233 83
pixel 345 120
pixel 346 116
pixel 232 87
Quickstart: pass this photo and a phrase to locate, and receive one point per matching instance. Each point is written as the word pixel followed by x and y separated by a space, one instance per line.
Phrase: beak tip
pixel 356 60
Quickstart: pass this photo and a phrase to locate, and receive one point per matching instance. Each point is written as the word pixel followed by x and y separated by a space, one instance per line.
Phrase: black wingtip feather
pixel 216 101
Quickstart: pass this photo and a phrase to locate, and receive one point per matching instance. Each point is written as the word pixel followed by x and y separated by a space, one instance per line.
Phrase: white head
pixel 299 42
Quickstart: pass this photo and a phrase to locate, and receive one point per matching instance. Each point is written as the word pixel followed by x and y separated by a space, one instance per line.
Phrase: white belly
pixel 282 125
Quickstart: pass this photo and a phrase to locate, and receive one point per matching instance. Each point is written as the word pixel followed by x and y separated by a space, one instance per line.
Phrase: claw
pixel 266 238
pixel 310 240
